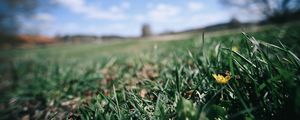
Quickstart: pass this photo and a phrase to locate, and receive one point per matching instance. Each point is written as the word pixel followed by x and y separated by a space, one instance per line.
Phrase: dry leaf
pixel 72 104
pixel 143 93
pixel 26 117
pixel 148 71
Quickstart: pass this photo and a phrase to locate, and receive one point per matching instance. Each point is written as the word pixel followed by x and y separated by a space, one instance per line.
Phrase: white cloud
pixel 71 26
pixel 116 26
pixel 115 9
pixel 43 17
pixel 163 12
pixel 120 8
pixel 120 28
pixel 139 18
pixel 240 2
pixel 92 11
pixel 194 6
pixel 37 23
pixel 209 18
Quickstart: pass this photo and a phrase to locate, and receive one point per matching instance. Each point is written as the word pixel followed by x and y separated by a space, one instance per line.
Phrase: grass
pixel 157 79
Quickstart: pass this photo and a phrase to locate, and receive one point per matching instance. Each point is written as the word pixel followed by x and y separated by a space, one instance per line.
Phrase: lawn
pixel 241 75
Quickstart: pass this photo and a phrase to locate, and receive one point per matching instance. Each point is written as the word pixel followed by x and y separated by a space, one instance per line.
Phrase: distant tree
pixel 273 10
pixel 11 11
pixel 146 30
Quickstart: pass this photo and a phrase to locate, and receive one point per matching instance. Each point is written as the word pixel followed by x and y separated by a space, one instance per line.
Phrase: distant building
pixel 146 30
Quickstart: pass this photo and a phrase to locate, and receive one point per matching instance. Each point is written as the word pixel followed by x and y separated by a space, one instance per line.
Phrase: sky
pixel 125 17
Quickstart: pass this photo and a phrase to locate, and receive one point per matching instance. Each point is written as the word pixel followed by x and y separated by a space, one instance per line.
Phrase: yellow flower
pixel 221 79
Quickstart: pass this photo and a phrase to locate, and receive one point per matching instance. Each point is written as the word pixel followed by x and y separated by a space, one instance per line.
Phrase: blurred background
pixel 53 21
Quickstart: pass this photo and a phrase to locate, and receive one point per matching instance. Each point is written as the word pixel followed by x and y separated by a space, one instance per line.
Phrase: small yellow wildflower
pixel 221 79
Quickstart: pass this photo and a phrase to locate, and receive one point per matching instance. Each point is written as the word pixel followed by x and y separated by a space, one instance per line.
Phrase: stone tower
pixel 146 30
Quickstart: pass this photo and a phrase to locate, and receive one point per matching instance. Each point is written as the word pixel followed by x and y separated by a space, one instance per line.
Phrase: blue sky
pixel 125 17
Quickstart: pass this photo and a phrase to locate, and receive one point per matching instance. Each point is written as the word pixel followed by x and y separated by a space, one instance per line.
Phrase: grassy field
pixel 255 75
